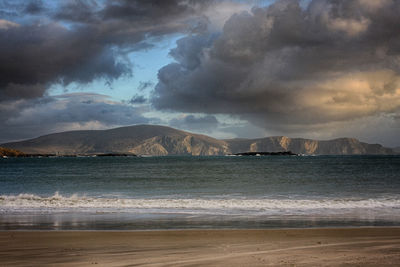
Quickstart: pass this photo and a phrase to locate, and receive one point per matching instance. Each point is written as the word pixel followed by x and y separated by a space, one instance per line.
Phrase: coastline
pixel 366 246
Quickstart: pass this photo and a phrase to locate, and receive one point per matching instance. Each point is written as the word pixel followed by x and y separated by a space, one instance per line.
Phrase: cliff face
pixel 341 146
pixel 180 145
pixel 161 140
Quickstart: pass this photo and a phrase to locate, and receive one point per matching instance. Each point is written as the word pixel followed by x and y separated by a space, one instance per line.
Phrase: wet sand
pixel 291 247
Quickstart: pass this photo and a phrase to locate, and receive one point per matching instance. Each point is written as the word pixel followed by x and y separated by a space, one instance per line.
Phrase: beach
pixel 378 246
pixel 206 211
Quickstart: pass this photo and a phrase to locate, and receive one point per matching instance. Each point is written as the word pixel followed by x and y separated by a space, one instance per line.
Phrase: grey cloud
pixel 150 9
pixel 133 20
pixel 34 56
pixel 34 7
pixel 205 123
pixel 189 50
pixel 290 69
pixel 78 11
pixel 20 119
pixel 138 99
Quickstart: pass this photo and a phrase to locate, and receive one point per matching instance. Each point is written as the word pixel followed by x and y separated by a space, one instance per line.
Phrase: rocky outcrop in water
pixel 283 153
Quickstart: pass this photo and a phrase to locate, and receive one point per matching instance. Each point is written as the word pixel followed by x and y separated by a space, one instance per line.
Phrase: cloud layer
pixel 30 118
pixel 292 69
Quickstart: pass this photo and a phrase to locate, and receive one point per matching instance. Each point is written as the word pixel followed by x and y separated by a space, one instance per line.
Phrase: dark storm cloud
pixel 20 119
pixel 127 21
pixel 34 56
pixel 34 7
pixel 199 123
pixel 81 41
pixel 290 67
pixel 151 9
pixel 137 99
pixel 189 50
pixel 78 11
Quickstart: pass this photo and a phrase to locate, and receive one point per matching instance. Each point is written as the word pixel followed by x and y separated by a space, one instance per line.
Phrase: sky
pixel 320 69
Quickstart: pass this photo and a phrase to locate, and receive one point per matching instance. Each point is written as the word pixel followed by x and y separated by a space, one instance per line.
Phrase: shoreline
pixel 206 229
pixel 366 246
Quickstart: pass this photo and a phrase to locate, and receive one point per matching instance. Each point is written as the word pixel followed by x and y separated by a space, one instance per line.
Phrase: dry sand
pixel 294 247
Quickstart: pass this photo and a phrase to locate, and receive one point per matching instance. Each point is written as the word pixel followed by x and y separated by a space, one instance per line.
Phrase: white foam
pixel 57 202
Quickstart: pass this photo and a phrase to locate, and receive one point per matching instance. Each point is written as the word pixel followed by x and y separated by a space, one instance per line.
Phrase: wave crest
pixel 58 202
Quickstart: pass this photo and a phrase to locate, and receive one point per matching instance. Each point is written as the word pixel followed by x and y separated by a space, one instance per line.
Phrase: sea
pixel 187 192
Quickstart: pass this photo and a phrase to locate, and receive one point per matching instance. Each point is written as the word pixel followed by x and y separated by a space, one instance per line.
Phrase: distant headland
pixel 12 153
pixel 157 140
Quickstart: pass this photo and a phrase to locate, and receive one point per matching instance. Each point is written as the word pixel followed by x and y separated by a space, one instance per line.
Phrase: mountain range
pixel 161 140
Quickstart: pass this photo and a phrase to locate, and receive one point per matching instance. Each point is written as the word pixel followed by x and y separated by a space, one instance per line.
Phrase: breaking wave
pixel 265 206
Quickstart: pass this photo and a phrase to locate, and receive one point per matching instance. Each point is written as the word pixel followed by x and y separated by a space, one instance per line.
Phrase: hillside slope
pixel 140 139
pixel 161 140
